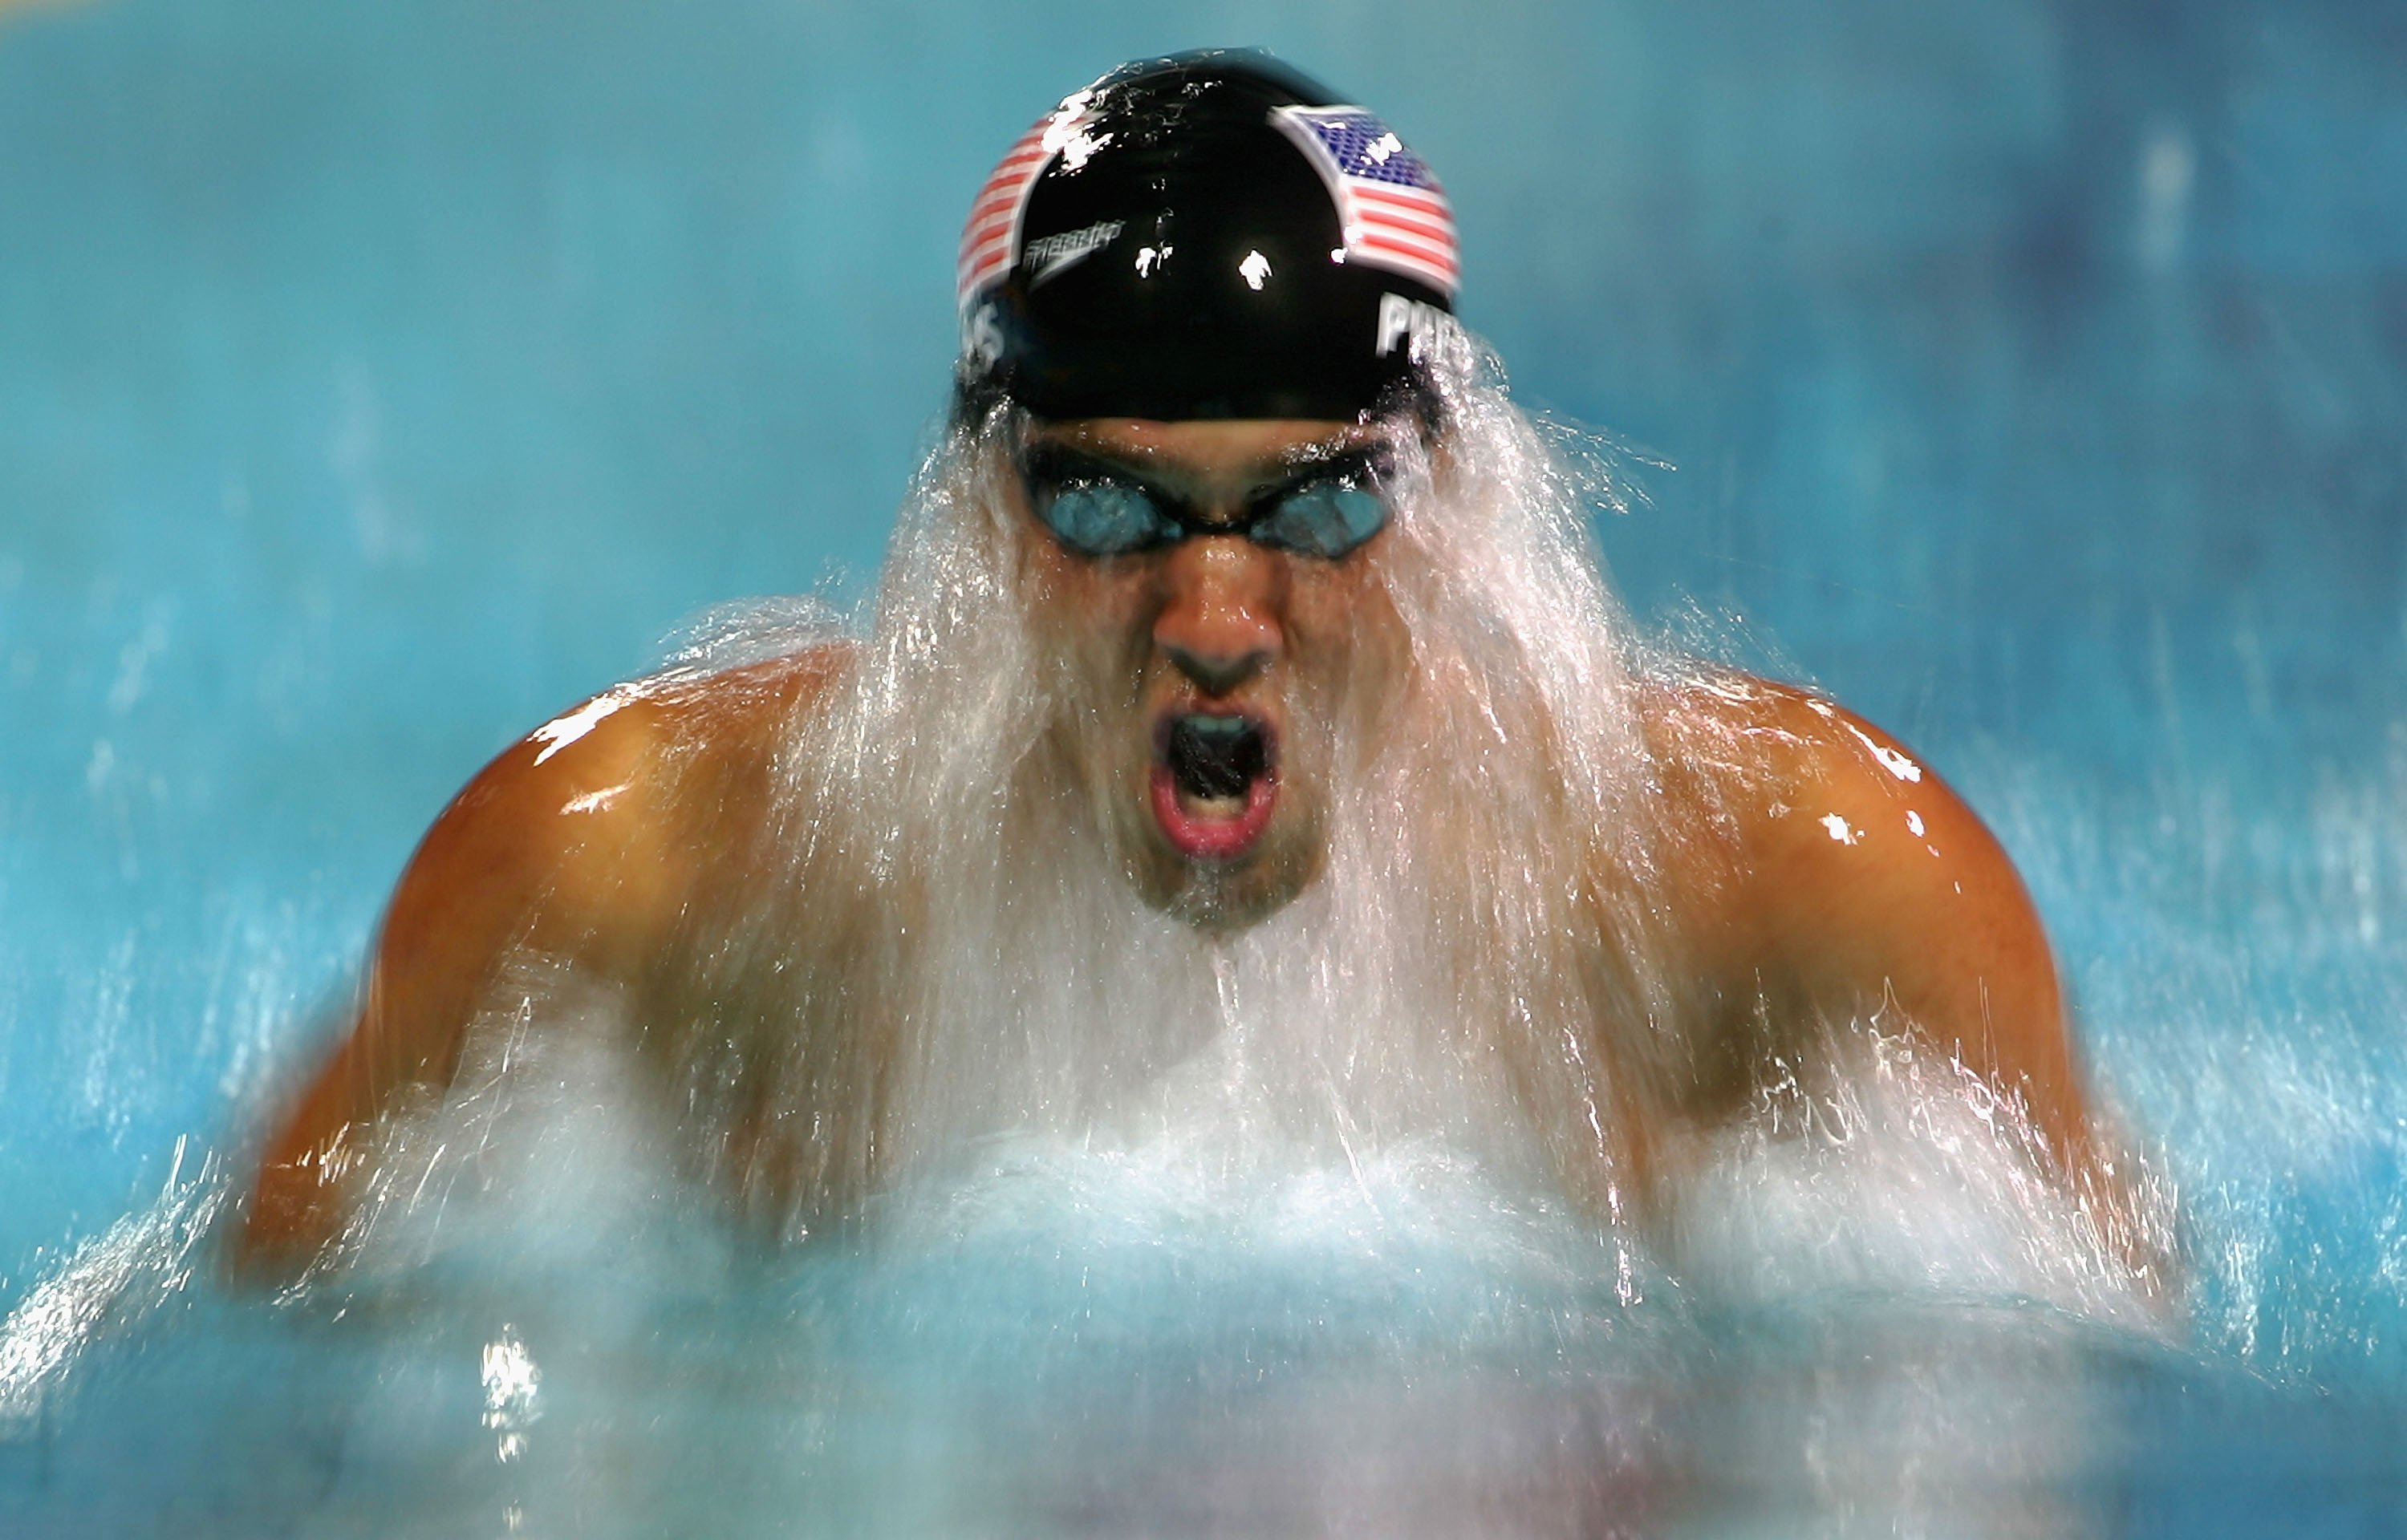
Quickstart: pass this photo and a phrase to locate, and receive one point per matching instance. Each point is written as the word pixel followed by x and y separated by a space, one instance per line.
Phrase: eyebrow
pixel 1056 461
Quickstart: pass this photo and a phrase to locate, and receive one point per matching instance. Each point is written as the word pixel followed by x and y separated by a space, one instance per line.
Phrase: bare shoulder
pixel 1727 725
pixel 1786 771
pixel 594 819
pixel 580 842
pixel 606 758
pixel 1810 846
pixel 1822 870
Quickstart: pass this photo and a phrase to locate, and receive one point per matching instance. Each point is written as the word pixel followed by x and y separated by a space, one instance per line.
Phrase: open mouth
pixel 1215 780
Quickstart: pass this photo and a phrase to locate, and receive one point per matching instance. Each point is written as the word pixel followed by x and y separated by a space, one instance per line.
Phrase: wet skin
pixel 1825 872
pixel 1220 627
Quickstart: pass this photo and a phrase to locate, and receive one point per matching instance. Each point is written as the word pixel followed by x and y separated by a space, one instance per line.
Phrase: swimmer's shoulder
pixel 580 843
pixel 1741 741
pixel 1826 872
pixel 1783 768
pixel 739 707
pixel 1797 825
pixel 608 810
pixel 624 752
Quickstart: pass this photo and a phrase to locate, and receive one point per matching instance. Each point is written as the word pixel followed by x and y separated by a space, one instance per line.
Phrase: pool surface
pixel 376 383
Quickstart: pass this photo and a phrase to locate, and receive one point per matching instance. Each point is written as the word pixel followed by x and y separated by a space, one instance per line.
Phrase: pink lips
pixel 1203 838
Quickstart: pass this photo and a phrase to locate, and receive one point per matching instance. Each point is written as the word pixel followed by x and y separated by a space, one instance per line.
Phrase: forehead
pixel 1207 448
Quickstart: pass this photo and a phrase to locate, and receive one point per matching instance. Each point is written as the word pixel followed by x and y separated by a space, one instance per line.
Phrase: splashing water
pixel 1076 1217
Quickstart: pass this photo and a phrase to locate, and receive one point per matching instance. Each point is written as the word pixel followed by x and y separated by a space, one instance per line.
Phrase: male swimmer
pixel 1241 644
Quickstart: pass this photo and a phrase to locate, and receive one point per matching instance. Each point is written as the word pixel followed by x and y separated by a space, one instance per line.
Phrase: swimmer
pixel 1241 637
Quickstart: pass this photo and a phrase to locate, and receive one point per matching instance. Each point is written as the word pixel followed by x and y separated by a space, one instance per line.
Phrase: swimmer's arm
pixel 582 844
pixel 1869 886
pixel 1829 874
pixel 550 849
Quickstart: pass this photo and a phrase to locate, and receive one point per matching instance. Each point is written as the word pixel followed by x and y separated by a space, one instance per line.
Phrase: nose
pixel 1218 624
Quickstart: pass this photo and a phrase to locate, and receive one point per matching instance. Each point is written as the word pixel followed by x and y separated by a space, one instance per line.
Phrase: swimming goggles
pixel 1330 506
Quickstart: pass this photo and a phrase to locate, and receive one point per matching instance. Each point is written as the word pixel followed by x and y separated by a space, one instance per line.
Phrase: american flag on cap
pixel 991 237
pixel 1393 213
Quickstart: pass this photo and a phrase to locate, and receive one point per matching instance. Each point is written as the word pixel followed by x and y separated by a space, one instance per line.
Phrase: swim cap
pixel 1206 235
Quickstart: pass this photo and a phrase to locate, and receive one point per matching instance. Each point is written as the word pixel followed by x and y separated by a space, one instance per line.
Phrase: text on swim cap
pixel 1417 324
pixel 1050 254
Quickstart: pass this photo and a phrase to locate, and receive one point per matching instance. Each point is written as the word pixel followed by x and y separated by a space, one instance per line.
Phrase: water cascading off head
pixel 1430 980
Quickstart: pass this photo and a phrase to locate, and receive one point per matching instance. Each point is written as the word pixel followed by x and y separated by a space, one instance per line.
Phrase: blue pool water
pixel 376 382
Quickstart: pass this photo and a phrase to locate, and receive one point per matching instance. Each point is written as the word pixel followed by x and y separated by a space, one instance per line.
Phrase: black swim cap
pixel 1205 235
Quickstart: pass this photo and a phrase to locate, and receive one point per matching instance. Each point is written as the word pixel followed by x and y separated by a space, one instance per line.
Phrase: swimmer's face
pixel 1211 591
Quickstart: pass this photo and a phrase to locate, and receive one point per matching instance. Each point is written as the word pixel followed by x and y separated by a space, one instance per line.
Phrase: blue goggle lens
pixel 1098 517
pixel 1322 518
pixel 1107 518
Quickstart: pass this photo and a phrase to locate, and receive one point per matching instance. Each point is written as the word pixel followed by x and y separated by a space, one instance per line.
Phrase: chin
pixel 1222 899
pixel 1226 893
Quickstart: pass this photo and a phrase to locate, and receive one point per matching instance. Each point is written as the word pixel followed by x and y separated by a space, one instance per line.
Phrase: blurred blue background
pixel 376 381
